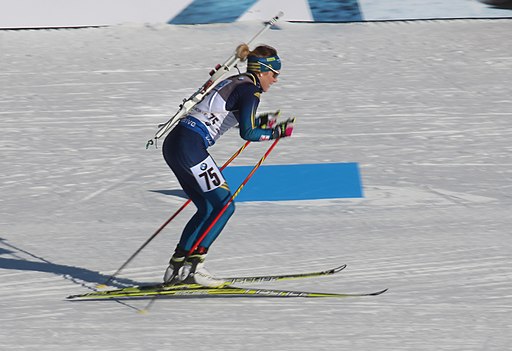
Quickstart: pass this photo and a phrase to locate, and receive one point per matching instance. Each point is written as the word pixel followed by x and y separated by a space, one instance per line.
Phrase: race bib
pixel 208 175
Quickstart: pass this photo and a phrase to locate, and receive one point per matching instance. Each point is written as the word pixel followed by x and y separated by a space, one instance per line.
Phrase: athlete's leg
pixel 182 150
pixel 217 199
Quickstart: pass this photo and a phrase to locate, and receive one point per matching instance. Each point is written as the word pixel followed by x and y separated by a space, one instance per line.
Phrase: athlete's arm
pixel 248 99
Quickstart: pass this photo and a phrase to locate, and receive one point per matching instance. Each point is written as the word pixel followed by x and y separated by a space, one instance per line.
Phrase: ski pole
pixel 235 155
pixel 203 235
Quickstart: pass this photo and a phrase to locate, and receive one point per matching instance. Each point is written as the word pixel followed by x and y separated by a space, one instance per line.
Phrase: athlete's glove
pixel 283 129
pixel 268 119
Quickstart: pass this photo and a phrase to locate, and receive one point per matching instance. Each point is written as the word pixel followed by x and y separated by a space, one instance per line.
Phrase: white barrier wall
pixel 70 13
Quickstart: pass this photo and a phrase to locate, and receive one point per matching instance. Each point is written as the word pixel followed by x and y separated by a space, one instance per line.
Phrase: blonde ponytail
pixel 242 51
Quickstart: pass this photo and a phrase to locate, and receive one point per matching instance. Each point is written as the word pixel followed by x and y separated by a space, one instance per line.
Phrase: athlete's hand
pixel 283 129
pixel 268 119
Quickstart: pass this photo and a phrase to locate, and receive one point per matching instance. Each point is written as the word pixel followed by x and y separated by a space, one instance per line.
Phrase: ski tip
pixel 379 292
pixel 340 268
pixel 101 286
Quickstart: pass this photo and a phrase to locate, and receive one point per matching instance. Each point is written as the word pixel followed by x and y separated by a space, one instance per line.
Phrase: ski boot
pixel 172 273
pixel 193 271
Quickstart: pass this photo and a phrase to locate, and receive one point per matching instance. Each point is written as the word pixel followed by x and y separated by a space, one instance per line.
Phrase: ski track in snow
pixel 424 108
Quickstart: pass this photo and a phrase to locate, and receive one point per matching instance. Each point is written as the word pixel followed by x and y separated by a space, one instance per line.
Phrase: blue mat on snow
pixel 296 182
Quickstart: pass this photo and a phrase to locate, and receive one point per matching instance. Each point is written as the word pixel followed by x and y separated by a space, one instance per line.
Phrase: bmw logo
pixel 203 166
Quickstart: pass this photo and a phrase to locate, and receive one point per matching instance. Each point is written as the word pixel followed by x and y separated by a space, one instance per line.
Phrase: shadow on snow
pixel 77 275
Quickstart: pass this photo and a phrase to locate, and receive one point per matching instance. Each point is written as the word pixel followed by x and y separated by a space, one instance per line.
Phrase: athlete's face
pixel 267 79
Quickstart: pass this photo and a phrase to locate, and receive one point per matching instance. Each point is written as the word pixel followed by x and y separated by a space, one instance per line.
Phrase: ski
pixel 216 75
pixel 293 276
pixel 220 292
pixel 227 281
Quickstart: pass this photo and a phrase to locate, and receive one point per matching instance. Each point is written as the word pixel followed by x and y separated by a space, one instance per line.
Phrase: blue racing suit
pixel 233 101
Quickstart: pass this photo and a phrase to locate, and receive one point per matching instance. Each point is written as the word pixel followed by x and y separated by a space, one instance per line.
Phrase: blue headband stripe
pixel 258 64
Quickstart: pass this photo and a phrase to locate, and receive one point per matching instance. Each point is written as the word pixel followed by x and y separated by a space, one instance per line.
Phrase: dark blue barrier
pixel 225 11
pixel 212 11
pixel 335 10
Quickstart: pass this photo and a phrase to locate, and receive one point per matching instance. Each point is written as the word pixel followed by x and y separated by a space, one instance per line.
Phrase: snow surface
pixel 424 107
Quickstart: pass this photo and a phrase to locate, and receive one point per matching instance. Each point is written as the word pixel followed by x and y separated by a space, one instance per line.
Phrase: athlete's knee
pixel 231 209
pixel 204 209
pixel 228 212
